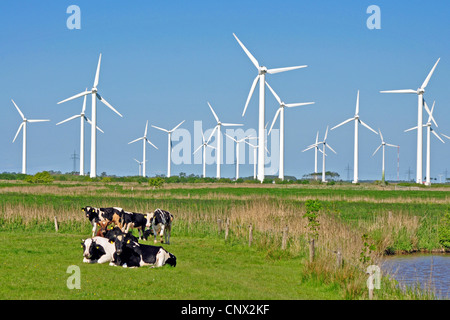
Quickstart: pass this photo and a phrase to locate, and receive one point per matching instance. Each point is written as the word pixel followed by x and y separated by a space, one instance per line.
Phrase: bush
pixel 157 182
pixel 444 231
pixel 40 177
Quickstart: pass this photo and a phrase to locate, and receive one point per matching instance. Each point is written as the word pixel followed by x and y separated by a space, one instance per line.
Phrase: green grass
pixel 33 266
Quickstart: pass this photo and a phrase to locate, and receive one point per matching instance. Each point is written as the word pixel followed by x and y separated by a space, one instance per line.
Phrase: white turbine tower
pixel 280 112
pixel 95 96
pixel 357 122
pixel 83 118
pixel 144 140
pixel 325 144
pixel 140 165
pixel 419 93
pixel 169 143
pixel 217 127
pixel 383 144
pixel 316 148
pixel 23 126
pixel 261 77
pixel 429 131
pixel 204 145
pixel 238 142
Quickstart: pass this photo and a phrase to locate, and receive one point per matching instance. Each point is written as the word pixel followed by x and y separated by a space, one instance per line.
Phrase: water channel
pixel 431 271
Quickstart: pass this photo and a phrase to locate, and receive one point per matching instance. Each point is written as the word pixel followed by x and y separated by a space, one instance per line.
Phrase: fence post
pixel 284 241
pixel 311 250
pixel 227 226
pixel 250 235
pixel 339 259
pixel 56 225
pixel 219 225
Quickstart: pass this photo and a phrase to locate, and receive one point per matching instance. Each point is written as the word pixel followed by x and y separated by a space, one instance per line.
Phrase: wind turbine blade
pixel 20 128
pixel 106 103
pixel 97 74
pixel 330 148
pixel 410 129
pixel 252 58
pixel 212 133
pixel 20 112
pixel 342 123
pixel 326 134
pixel 90 122
pixel 430 112
pixel 232 125
pixel 278 70
pixel 310 147
pixel 151 144
pixel 210 146
pixel 84 104
pixel 425 83
pixel 160 128
pixel 274 119
pixel 252 89
pixel 381 136
pixel 400 91
pixel 437 136
pixel 68 119
pixel 146 127
pixel 196 150
pixel 446 136
pixel 391 145
pixel 75 96
pixel 136 140
pixel 291 105
pixel 377 150
pixel 317 137
pixel 214 114
pixel 274 94
pixel 231 137
pixel 357 104
pixel 137 161
pixel 367 126
pixel 38 120
pixel 177 126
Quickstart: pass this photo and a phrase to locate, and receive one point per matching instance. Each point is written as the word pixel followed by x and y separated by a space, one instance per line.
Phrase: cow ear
pixel 97 247
pixel 128 241
pixel 110 241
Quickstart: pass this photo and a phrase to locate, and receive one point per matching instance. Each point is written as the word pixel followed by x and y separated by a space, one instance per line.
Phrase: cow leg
pixel 94 228
pixel 162 233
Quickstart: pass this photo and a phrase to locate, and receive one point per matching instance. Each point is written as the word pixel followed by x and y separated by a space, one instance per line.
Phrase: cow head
pixel 125 241
pixel 90 213
pixel 172 260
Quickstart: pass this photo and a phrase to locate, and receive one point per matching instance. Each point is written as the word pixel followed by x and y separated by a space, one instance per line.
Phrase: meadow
pixel 362 222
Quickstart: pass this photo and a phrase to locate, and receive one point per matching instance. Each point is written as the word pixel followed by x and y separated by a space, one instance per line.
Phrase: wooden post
pixel 227 226
pixel 219 225
pixel 311 250
pixel 370 293
pixel 339 259
pixel 284 241
pixel 56 225
pixel 250 235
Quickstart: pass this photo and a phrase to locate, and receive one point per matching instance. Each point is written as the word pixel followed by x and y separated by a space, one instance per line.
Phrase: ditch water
pixel 431 271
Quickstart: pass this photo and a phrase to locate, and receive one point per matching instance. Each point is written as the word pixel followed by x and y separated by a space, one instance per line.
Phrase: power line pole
pixel 74 157
pixel 348 171
pixel 409 172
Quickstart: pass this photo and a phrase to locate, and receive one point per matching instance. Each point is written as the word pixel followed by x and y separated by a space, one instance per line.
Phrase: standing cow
pixel 110 215
pixel 160 222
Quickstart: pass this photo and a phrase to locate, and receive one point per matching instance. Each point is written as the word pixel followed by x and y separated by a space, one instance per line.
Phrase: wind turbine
pixel 383 144
pixel 144 139
pixel 316 148
pixel 217 127
pixel 261 77
pixel 280 112
pixel 419 93
pixel 23 126
pixel 83 118
pixel 429 131
pixel 169 147
pixel 140 164
pixel 325 144
pixel 204 145
pixel 237 151
pixel 357 122
pixel 95 96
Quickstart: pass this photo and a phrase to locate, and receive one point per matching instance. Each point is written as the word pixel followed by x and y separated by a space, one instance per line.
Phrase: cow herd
pixel 118 246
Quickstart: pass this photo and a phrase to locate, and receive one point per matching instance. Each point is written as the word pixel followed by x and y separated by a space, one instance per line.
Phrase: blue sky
pixel 162 61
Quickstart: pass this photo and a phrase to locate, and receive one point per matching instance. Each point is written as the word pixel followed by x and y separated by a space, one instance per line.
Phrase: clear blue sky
pixel 163 60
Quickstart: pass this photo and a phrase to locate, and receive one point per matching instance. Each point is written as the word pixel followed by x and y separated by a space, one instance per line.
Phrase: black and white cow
pixel 132 220
pixel 131 253
pixel 160 222
pixel 98 250
pixel 96 215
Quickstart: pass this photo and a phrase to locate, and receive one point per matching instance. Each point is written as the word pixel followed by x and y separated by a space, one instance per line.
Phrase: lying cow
pixel 160 222
pixel 97 250
pixel 96 215
pixel 132 220
pixel 130 253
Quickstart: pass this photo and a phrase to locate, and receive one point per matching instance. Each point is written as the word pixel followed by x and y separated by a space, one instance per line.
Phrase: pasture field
pixel 359 221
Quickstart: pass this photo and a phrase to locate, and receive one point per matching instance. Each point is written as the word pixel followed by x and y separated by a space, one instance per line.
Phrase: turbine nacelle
pixel 262 70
